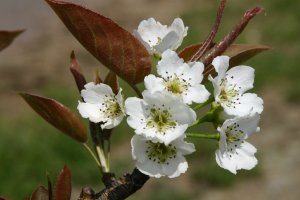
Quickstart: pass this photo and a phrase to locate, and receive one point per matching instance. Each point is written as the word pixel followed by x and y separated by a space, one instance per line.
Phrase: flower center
pixel 175 85
pixel 161 120
pixel 160 153
pixel 113 109
pixel 234 134
pixel 229 94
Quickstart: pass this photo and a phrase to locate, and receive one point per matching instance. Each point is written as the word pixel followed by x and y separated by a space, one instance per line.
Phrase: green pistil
pixel 175 85
pixel 160 120
pixel 113 108
pixel 160 153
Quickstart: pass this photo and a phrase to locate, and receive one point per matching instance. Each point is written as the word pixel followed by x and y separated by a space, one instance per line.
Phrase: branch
pixel 116 189
pixel 229 39
pixel 207 43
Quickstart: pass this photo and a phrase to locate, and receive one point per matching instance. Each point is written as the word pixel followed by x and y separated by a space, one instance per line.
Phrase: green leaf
pixel 63 186
pixel 41 193
pixel 238 54
pixel 112 45
pixel 57 115
pixel 6 38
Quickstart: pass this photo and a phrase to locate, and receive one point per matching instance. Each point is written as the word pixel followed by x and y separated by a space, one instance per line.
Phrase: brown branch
pixel 116 189
pixel 229 39
pixel 207 43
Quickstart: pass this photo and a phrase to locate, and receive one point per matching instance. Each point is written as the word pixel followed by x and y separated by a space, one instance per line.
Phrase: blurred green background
pixel 38 62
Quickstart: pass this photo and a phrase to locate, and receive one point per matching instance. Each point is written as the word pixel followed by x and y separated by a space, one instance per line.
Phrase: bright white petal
pixel 197 93
pixel 225 162
pixel 193 72
pixel 154 84
pixel 249 103
pixel 169 63
pixel 182 113
pixel 242 76
pixel 138 150
pixel 178 27
pixel 175 167
pixel 135 107
pixel 185 148
pixel 150 168
pixel 170 41
pixel 221 64
pixel 172 134
pixel 90 111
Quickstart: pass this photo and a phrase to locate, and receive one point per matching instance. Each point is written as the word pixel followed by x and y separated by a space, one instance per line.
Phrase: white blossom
pixel 158 159
pixel 102 105
pixel 178 78
pixel 230 87
pixel 234 152
pixel 157 37
pixel 159 116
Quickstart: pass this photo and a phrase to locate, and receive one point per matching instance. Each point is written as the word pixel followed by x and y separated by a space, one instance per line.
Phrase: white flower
pixel 159 116
pixel 158 159
pixel 157 37
pixel 179 78
pixel 101 105
pixel 234 152
pixel 230 87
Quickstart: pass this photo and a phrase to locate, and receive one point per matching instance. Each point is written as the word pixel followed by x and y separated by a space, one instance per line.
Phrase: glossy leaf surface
pixel 63 186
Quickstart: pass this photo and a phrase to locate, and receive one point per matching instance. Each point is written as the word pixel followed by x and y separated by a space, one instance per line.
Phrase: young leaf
pixel 58 115
pixel 3 198
pixel 75 70
pixel 112 45
pixel 41 193
pixel 187 53
pixel 6 38
pixel 238 54
pixel 63 186
pixel 112 80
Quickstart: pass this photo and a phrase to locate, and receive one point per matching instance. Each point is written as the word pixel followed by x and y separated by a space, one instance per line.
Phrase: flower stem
pixel 102 159
pixel 93 156
pixel 203 104
pixel 214 136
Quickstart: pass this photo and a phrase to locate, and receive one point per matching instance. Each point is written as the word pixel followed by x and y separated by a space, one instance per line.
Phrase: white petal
pixel 182 113
pixel 249 103
pixel 135 107
pixel 175 167
pixel 171 134
pixel 248 123
pixel 178 27
pixel 245 156
pixel 154 84
pixel 138 150
pixel 197 93
pixel 139 37
pixel 90 111
pixel 216 84
pixel 150 168
pixel 151 30
pixel 183 147
pixel 170 41
pixel 225 162
pixel 242 76
pixel 221 64
pixel 169 63
pixel 193 72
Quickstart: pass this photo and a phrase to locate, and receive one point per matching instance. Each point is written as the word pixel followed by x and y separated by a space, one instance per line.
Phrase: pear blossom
pixel 234 152
pixel 230 87
pixel 157 37
pixel 102 105
pixel 159 116
pixel 178 78
pixel 158 159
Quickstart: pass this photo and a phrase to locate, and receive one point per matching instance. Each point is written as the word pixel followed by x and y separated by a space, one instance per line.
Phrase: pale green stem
pixel 102 158
pixel 93 156
pixel 203 104
pixel 214 136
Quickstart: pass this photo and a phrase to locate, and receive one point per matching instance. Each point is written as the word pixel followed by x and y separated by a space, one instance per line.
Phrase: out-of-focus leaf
pixel 6 38
pixel 58 115
pixel 49 187
pixel 63 186
pixel 97 78
pixel 187 53
pixel 238 54
pixel 112 45
pixel 75 70
pixel 4 198
pixel 112 80
pixel 41 193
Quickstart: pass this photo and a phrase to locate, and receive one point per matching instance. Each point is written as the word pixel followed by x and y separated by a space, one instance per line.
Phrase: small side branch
pixel 230 38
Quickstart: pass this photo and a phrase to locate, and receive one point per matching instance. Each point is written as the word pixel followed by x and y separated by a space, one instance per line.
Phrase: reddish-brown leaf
pixel 238 54
pixel 75 70
pixel 63 186
pixel 58 115
pixel 41 193
pixel 187 53
pixel 112 45
pixel 112 80
pixel 6 37
pixel 3 198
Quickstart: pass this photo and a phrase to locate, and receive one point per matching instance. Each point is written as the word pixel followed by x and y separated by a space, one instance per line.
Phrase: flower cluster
pixel 161 117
